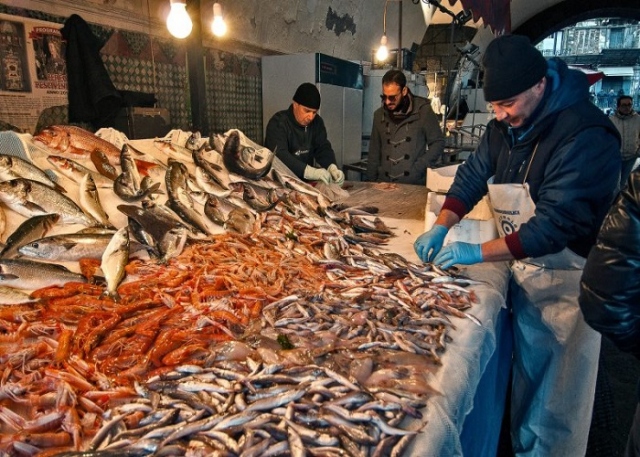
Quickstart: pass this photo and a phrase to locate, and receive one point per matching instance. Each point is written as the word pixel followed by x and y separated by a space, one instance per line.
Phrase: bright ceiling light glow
pixel 218 26
pixel 178 22
pixel 383 51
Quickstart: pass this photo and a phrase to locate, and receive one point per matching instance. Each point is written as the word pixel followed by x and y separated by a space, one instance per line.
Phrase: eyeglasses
pixel 391 98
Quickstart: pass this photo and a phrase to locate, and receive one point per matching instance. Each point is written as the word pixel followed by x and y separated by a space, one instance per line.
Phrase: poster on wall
pixel 33 73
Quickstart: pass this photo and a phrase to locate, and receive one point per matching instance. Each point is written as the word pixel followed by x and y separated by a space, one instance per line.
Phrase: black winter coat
pixel 610 285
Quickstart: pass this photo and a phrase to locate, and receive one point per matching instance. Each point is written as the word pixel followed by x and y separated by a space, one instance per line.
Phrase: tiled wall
pixel 142 63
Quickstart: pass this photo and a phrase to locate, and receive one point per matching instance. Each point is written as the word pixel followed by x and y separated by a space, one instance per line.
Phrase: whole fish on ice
pixel 114 260
pixel 28 274
pixel 33 228
pixel 31 198
pixel 244 157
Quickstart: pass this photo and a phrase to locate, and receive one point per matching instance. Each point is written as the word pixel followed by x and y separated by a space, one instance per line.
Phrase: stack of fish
pixel 290 334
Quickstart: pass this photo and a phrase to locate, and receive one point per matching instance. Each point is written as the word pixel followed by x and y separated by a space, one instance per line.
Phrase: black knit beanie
pixel 307 94
pixel 511 66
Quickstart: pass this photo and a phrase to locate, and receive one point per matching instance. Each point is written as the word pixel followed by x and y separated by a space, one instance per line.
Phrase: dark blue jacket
pixel 298 146
pixel 574 175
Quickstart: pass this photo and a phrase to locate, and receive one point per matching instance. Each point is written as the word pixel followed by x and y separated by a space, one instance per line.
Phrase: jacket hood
pixel 566 87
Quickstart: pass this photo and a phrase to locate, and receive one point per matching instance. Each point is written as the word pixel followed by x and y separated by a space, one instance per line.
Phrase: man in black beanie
pixel 299 138
pixel 550 162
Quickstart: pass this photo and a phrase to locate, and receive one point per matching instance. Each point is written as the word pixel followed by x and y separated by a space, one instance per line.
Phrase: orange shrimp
pixel 192 353
pixel 64 346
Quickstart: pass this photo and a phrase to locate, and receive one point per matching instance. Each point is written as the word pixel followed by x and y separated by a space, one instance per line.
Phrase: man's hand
pixel 459 253
pixel 317 174
pixel 336 174
pixel 429 243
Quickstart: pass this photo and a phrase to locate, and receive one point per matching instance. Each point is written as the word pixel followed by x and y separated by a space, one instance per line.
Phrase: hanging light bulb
pixel 178 22
pixel 383 51
pixel 218 26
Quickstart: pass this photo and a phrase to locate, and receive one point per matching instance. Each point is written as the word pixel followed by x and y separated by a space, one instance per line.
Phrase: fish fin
pixel 8 276
pixel 31 206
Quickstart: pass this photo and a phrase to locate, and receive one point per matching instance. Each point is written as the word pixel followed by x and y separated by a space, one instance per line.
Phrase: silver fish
pixel 128 185
pixel 27 274
pixel 218 209
pixel 114 260
pixel 259 198
pixel 31 198
pixel 173 151
pixel 12 167
pixel 75 172
pixel 157 227
pixel 33 228
pixel 179 199
pixel 212 163
pixel 210 185
pixel 89 200
pixel 67 247
pixel 244 157
pixel 12 296
pixel 241 221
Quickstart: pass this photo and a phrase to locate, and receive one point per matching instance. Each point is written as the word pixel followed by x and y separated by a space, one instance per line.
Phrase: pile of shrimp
pixel 65 358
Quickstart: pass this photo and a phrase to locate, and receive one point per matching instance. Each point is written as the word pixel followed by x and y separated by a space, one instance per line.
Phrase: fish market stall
pixel 189 296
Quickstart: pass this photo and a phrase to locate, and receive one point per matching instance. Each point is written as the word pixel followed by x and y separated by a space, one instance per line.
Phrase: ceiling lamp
pixel 383 51
pixel 178 21
pixel 218 26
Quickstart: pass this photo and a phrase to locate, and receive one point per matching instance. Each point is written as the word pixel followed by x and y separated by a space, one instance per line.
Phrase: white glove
pixel 336 174
pixel 317 174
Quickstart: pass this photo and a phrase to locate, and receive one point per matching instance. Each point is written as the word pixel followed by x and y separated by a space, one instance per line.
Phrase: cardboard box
pixel 469 230
pixel 439 181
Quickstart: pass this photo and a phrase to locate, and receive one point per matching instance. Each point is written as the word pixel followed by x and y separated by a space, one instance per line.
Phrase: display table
pixel 451 427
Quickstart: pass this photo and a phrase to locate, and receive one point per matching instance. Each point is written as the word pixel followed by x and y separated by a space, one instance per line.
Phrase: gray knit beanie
pixel 511 66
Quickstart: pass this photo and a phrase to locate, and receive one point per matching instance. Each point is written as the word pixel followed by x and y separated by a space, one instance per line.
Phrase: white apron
pixel 555 352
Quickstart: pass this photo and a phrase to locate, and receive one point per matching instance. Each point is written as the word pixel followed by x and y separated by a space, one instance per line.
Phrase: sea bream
pixel 76 143
pixel 31 198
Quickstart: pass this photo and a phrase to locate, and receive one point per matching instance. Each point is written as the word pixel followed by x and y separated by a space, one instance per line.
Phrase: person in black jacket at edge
pixel 610 284
pixel 298 137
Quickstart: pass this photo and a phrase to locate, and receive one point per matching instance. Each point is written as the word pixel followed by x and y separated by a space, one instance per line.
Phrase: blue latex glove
pixel 429 243
pixel 458 253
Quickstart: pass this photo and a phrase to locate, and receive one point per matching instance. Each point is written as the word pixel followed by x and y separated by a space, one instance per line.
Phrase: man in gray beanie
pixel 299 138
pixel 550 162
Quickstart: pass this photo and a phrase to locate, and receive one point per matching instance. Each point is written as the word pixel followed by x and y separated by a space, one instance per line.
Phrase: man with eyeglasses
pixel 628 123
pixel 298 136
pixel 550 163
pixel 406 137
